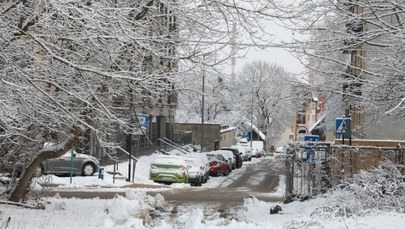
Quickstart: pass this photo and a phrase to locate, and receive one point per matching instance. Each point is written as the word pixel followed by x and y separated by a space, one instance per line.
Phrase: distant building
pixel 212 134
pixel 228 136
pixel 309 114
pixel 364 124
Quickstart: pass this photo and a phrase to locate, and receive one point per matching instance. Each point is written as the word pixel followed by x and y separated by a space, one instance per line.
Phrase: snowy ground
pixel 331 210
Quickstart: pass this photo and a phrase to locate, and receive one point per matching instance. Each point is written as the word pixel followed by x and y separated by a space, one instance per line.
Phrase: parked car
pixel 203 160
pixel 245 150
pixel 226 157
pixel 83 164
pixel 280 152
pixel 257 148
pixel 196 169
pixel 169 169
pixel 229 156
pixel 218 165
pixel 237 155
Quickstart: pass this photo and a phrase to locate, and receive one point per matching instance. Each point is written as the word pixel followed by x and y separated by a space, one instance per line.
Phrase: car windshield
pixel 212 157
pixel 220 157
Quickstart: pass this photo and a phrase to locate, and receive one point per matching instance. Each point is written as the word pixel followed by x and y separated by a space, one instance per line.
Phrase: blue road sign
pixel 309 149
pixel 311 138
pixel 143 121
pixel 343 127
pixel 246 134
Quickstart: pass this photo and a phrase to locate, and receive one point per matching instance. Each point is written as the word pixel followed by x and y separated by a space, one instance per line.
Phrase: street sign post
pixel 301 131
pixel 344 128
pixel 309 149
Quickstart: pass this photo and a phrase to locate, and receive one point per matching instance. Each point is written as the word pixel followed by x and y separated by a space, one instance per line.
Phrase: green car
pixel 169 169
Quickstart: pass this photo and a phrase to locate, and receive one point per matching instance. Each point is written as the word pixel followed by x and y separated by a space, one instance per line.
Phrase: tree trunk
pixel 24 182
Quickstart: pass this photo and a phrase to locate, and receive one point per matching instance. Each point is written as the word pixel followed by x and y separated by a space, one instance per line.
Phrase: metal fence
pixel 312 168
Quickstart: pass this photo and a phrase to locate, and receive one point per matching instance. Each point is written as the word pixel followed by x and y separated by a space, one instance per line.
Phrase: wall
pixel 211 133
pixel 228 137
pixel 372 142
pixel 385 128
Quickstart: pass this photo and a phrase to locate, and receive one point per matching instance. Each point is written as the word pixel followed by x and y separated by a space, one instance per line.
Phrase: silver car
pixel 83 164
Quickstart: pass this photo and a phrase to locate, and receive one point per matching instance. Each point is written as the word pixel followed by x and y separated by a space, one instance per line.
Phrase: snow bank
pixel 132 211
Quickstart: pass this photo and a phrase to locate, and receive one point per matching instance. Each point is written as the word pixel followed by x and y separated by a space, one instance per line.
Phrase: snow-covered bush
pixel 367 193
pixel 381 188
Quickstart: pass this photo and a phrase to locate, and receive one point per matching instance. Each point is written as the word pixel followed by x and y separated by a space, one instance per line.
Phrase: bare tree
pixel 267 93
pixel 217 96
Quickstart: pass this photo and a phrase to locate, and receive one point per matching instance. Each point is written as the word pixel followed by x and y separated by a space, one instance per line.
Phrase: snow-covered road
pixel 259 179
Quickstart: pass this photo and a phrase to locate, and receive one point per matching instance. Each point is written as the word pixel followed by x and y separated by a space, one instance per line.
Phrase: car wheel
pixel 227 172
pixel 88 169
pixel 199 181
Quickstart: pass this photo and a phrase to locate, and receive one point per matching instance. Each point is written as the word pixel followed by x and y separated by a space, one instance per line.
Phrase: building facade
pixel 157 107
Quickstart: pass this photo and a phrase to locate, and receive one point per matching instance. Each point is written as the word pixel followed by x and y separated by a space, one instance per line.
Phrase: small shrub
pixel 381 188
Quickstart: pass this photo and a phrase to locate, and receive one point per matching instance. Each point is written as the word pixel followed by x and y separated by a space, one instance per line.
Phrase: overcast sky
pixel 279 56
pixel 271 55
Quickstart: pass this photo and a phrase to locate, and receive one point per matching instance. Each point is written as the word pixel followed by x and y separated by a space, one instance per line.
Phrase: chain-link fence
pixel 312 168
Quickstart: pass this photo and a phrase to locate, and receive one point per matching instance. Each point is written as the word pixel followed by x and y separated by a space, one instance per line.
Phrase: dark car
pixel 237 155
pixel 218 165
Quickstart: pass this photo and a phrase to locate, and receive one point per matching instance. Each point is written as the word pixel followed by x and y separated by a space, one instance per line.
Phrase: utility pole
pixel 251 117
pixel 233 51
pixel 129 150
pixel 202 108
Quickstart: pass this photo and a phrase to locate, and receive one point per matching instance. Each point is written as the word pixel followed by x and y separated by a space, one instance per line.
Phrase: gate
pixel 313 168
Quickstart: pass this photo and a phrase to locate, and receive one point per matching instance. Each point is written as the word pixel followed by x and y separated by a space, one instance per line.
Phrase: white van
pixel 257 148
pixel 244 149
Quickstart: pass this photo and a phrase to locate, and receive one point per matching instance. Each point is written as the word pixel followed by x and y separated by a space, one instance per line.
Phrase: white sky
pixel 133 211
pixel 271 55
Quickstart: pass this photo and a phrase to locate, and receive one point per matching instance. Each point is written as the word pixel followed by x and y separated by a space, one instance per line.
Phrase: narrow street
pixel 259 180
